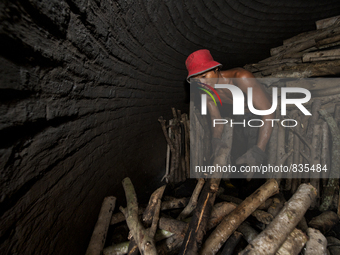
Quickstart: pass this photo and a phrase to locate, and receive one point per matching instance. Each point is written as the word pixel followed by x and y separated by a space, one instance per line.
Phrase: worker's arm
pixel 261 101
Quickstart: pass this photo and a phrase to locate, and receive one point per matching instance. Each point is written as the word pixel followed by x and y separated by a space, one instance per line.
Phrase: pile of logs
pixel 177 135
pixel 211 222
pixel 310 54
pixel 313 147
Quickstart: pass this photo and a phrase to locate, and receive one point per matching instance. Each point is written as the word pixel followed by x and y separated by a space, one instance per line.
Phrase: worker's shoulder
pixel 237 72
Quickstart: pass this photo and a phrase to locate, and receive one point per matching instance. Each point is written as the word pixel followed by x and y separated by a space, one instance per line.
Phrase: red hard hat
pixel 199 62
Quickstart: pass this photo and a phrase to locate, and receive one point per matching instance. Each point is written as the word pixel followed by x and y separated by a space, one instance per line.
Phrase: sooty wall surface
pixel 82 85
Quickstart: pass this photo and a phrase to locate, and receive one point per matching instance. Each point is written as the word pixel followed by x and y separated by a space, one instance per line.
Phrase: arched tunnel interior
pixel 83 83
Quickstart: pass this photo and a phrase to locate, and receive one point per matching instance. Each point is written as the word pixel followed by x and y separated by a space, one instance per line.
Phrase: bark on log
pixel 172 244
pixel 201 215
pixel 248 232
pixel 314 34
pixel 302 225
pixel 235 218
pixel 325 152
pixel 272 146
pixel 333 181
pixel 277 205
pixel 324 23
pixel 280 151
pixel 122 248
pixel 315 160
pixel 324 222
pixel 228 198
pixel 293 244
pixel 314 84
pixel 321 55
pixel 150 215
pixel 98 237
pixel 143 237
pixel 317 243
pixel 262 216
pixel 172 144
pixel 289 175
pixel 270 240
pixel 193 200
pixel 313 69
pixel 333 245
pixel 296 156
pixel 231 243
pixel 175 203
pixel 153 202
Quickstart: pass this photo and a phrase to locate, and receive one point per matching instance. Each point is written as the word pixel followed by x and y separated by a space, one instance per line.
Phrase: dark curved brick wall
pixel 82 85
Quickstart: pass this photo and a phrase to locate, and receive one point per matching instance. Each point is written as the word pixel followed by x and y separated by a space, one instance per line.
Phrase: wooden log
pixel 277 205
pixel 325 152
pixel 293 244
pixel 294 47
pixel 172 144
pixel 198 223
pixel 314 84
pixel 219 211
pixel 122 248
pixel 280 150
pixel 296 155
pixel 235 218
pixel 272 145
pixel 324 222
pixel 312 155
pixel 98 237
pixel 333 181
pixel 270 240
pixel 172 244
pixel 317 243
pixel 304 70
pixel 193 200
pixel 149 212
pixel 186 126
pixel 231 243
pixel 303 225
pixel 314 34
pixel 167 164
pixel 315 162
pixel 324 23
pixel 262 216
pixel 143 237
pixel 247 231
pixel 201 214
pixel 321 55
pixel 290 161
pixel 174 203
pixel 333 245
pixel 235 200
pixel 334 38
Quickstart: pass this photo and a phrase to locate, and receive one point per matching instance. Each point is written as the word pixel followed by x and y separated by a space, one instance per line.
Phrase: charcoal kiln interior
pixel 83 85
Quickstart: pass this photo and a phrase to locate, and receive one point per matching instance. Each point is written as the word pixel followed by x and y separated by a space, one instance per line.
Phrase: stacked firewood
pixel 312 149
pixel 177 135
pixel 309 54
pixel 211 222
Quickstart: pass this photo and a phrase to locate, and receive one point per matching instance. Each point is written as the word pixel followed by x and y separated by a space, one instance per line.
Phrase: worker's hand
pixel 253 157
pixel 216 144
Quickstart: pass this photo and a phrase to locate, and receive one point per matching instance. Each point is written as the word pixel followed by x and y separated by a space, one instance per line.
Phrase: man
pixel 200 64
